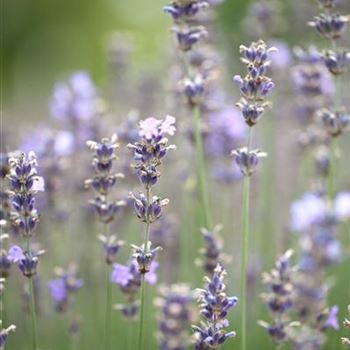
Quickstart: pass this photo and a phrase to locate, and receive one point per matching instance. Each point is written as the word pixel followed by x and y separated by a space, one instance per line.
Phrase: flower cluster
pixel 255 86
pixel 279 298
pixel 332 26
pixel 314 85
pixel 128 277
pixel 27 261
pixel 214 305
pixel 189 31
pixel 316 221
pixel 334 122
pixel 64 286
pixel 75 99
pixel 175 316
pixel 24 185
pixel 213 251
pixel 103 181
pixel 149 152
pixel 346 341
pixel 4 332
pixel 5 263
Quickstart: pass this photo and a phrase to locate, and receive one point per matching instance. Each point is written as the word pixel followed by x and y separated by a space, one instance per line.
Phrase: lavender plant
pixel 280 299
pixel 332 25
pixel 188 32
pixel 212 253
pixel 148 154
pixel 214 307
pixel 4 332
pixel 175 316
pixel 103 182
pixel 346 323
pixel 24 185
pixel 254 87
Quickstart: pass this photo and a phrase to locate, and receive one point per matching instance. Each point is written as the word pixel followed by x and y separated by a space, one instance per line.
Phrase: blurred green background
pixel 45 40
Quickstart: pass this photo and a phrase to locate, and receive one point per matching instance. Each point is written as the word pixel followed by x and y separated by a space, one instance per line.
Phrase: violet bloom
pixel 175 316
pixel 24 185
pixel 342 205
pixel 280 298
pixel 64 286
pixel 212 252
pixel 128 277
pixel 346 323
pixel 226 130
pixel 26 261
pixel 4 332
pixel 214 307
pixel 74 99
pixel 103 182
pixel 307 212
pixel 283 57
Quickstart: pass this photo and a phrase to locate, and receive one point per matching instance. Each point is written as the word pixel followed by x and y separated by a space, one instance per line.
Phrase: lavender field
pixel 175 175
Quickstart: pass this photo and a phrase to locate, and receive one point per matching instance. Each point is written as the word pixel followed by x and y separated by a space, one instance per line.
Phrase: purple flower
pixel 121 274
pixel 64 143
pixel 214 307
pixel 15 254
pixel 306 212
pixel 342 205
pixel 74 99
pixel 283 56
pixel 58 290
pixel 64 286
pixel 332 319
pixel 151 277
pixel 4 332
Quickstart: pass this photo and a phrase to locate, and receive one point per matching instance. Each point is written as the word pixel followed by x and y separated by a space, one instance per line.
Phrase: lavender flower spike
pixel 279 298
pixel 214 306
pixel 346 323
pixel 4 332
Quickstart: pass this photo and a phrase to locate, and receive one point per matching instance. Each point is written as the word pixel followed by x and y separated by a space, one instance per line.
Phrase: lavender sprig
pixel 346 323
pixel 24 185
pixel 214 306
pixel 255 86
pixel 4 332
pixel 175 316
pixel 103 182
pixel 149 152
pixel 189 33
pixel 280 298
pixel 332 25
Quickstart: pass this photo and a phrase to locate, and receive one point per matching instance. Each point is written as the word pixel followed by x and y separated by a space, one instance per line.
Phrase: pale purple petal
pixel 15 254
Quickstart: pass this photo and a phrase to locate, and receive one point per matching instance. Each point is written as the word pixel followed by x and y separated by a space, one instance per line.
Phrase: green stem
pixel 202 178
pixel 108 309
pixel 244 251
pixel 143 287
pixel 32 302
pixel 332 169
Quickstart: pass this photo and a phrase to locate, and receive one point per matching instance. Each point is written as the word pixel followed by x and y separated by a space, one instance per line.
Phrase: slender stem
pixel 32 302
pixel 108 309
pixel 244 251
pixel 108 300
pixel 332 169
pixel 202 178
pixel 129 339
pixel 143 287
pixel 142 310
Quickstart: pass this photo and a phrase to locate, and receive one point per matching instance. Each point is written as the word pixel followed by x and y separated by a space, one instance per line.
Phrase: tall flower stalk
pixel 189 32
pixel 103 182
pixel 214 307
pixel 254 87
pixel 24 185
pixel 148 154
pixel 331 26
